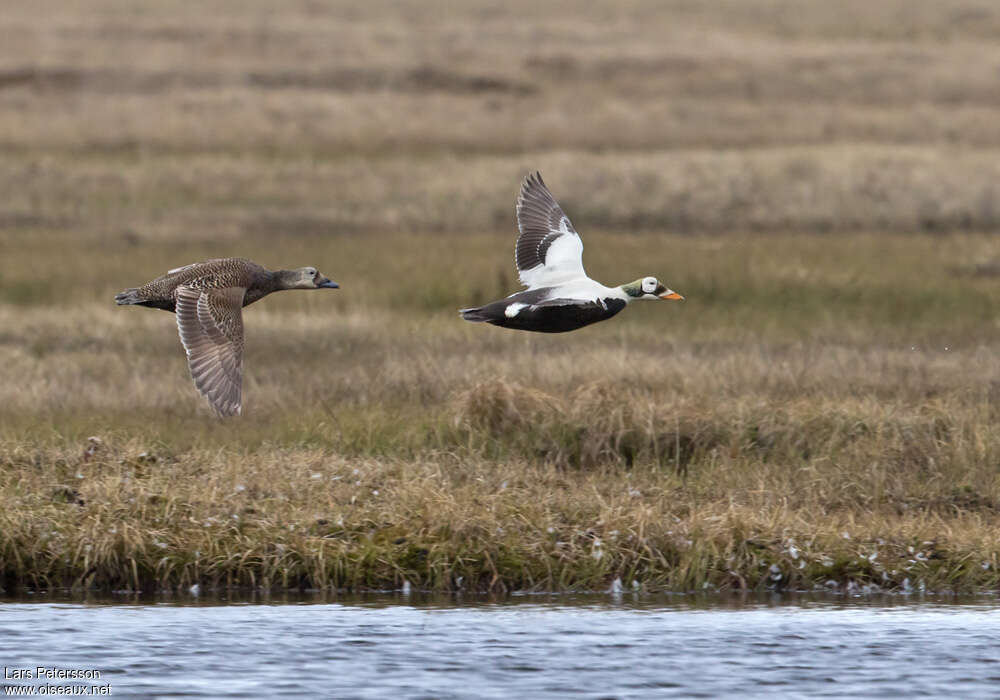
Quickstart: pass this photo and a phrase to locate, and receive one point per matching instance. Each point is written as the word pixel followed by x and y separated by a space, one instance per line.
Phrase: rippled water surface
pixel 596 647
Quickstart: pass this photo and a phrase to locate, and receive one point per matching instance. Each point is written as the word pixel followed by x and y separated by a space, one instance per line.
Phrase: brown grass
pixel 700 443
pixel 820 408
pixel 334 117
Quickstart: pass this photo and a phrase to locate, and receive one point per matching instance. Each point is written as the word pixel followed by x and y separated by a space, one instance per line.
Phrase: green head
pixel 649 288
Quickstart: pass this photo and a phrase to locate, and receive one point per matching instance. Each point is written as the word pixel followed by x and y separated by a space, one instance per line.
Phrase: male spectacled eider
pixel 208 298
pixel 549 256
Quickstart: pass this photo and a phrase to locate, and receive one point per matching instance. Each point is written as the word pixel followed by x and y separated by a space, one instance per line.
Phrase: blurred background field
pixel 820 181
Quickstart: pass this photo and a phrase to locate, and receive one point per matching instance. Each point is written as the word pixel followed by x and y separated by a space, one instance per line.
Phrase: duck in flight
pixel 208 298
pixel 549 256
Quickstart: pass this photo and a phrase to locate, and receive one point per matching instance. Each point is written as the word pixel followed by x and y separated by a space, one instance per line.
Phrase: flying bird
pixel 208 298
pixel 549 256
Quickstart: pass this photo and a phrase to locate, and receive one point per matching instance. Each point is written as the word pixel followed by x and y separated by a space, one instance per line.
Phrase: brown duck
pixel 207 298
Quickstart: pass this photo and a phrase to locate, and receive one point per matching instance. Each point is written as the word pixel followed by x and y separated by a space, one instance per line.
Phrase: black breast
pixel 553 316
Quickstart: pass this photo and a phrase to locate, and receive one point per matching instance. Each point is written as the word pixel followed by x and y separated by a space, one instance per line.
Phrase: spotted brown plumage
pixel 208 298
pixel 560 296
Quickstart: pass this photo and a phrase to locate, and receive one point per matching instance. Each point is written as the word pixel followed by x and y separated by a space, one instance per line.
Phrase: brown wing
pixel 210 322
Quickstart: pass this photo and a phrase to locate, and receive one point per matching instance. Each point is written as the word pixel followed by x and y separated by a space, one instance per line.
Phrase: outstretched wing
pixel 549 251
pixel 210 322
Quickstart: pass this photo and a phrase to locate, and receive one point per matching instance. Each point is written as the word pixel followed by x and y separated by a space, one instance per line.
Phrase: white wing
pixel 549 251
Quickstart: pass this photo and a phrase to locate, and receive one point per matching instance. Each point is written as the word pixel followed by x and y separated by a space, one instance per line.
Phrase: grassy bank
pixel 796 421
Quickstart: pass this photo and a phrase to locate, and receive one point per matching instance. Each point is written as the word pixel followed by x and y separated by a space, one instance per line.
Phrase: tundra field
pixel 821 183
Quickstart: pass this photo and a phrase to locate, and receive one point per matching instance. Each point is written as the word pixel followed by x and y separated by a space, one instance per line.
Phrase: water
pixel 596 647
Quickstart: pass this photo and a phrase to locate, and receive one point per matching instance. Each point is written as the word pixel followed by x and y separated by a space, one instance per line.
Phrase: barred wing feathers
pixel 210 323
pixel 549 251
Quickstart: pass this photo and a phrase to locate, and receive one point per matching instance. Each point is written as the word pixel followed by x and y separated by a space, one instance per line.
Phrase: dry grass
pixel 810 387
pixel 784 404
pixel 336 117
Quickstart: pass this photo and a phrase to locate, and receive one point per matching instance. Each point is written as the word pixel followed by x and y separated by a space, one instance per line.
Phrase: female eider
pixel 549 256
pixel 208 298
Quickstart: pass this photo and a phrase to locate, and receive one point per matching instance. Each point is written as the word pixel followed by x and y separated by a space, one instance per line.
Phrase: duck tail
pixel 129 296
pixel 476 315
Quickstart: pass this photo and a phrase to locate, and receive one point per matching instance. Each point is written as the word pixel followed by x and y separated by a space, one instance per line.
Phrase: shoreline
pixel 133 520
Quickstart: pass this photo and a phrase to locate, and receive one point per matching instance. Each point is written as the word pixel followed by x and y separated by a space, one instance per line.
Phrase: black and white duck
pixel 208 298
pixel 549 255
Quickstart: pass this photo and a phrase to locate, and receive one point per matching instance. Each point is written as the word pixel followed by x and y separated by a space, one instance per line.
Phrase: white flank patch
pixel 513 309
